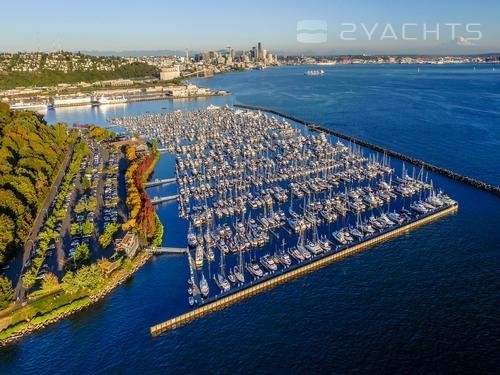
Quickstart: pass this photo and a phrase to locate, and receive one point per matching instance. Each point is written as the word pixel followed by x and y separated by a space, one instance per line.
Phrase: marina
pixel 444 171
pixel 288 274
pixel 429 286
pixel 265 197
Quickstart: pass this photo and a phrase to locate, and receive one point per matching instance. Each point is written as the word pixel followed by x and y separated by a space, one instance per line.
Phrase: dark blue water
pixel 424 302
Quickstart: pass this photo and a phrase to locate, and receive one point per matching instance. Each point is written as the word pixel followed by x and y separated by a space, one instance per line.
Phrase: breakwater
pixel 220 302
pixel 446 172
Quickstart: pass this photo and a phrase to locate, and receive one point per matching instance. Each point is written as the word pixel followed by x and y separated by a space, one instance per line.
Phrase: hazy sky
pixel 205 25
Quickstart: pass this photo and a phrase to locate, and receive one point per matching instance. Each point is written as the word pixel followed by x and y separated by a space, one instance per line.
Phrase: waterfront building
pixel 167 74
pixel 129 244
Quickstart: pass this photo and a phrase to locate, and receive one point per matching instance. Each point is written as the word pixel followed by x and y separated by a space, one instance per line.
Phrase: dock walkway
pixel 158 200
pixel 159 182
pixel 166 250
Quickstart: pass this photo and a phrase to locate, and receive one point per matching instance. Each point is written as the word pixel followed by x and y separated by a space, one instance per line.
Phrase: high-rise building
pixel 259 51
pixel 230 52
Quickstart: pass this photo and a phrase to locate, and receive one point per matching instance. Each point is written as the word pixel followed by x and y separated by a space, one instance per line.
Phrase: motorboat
pixel 204 290
pixel 268 262
pixel 254 269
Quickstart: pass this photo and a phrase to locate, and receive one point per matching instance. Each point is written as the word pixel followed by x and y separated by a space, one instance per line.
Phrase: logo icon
pixel 312 31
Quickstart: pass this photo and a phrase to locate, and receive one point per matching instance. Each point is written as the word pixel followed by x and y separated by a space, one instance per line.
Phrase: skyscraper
pixel 259 51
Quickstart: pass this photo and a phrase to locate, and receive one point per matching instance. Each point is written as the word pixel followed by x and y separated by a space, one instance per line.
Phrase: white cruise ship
pixel 108 100
pixel 28 106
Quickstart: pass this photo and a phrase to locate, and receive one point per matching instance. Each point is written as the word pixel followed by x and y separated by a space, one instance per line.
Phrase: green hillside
pixel 30 154
pixel 11 79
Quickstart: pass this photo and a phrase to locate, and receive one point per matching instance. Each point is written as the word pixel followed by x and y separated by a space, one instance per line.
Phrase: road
pixel 17 264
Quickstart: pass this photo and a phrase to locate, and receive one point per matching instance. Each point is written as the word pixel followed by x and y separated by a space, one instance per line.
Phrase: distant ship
pixel 28 106
pixel 108 100
pixel 319 72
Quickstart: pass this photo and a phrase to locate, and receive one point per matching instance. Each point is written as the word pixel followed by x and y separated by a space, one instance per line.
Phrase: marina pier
pixel 159 182
pixel 445 172
pixel 249 290
pixel 158 200
pixel 166 250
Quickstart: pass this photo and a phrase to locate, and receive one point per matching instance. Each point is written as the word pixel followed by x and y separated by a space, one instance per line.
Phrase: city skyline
pixel 359 27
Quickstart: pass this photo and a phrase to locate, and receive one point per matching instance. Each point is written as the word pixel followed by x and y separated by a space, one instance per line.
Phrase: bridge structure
pixel 158 200
pixel 160 182
pixel 200 73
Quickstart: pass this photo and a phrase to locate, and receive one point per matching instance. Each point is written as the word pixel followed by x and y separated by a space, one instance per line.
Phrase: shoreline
pixel 138 262
pixel 85 301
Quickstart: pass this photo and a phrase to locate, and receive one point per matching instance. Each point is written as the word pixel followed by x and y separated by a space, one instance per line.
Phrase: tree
pixel 105 265
pixel 81 255
pixel 75 229
pixel 87 228
pixel 91 204
pixel 158 237
pixel 107 237
pixel 80 207
pixel 29 279
pixel 127 264
pixel 6 292
pixel 86 184
pixel 130 153
pixel 68 283
pixel 50 282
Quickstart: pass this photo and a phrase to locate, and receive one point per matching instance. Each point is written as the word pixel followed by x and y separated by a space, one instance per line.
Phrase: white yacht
pixel 204 290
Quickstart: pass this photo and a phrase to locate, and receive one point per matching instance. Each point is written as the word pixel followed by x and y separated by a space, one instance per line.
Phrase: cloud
pixel 464 42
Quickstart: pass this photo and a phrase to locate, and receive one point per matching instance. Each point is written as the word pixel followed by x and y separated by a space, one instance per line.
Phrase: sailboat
pixel 239 273
pixel 283 257
pixel 314 246
pixel 300 247
pixel 204 290
pixel 254 269
pixel 191 237
pixel 220 278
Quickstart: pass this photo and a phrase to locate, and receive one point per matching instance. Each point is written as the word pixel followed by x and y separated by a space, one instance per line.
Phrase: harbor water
pixel 426 301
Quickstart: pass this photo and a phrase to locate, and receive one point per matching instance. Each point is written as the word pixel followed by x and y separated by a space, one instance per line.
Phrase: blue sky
pixel 206 25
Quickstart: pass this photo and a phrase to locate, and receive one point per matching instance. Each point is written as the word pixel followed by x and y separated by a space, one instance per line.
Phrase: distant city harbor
pixel 258 210
pixel 76 77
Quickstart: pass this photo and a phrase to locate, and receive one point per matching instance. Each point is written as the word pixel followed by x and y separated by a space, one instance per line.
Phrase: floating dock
pixel 159 182
pixel 220 302
pixel 158 200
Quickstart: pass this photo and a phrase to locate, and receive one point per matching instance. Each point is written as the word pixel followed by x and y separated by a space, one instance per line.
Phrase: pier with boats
pixel 267 200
